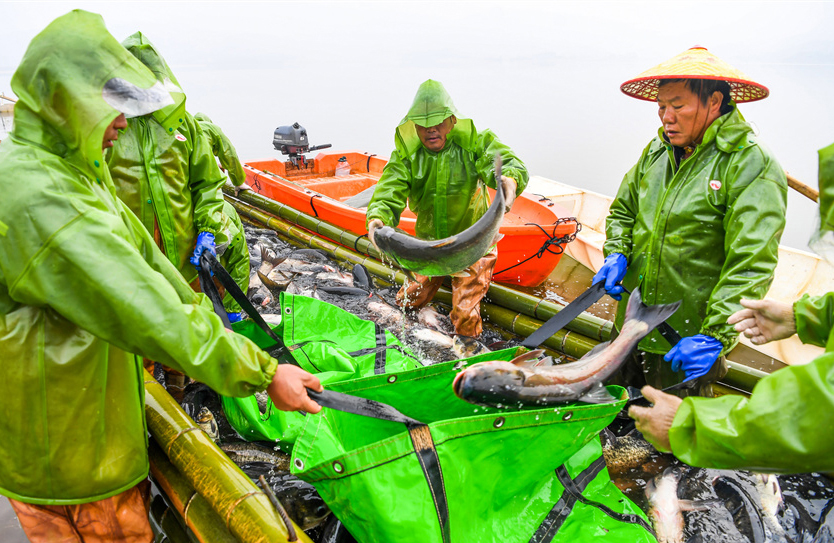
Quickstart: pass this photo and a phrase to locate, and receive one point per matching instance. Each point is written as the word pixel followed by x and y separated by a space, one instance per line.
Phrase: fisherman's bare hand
pixel 287 389
pixel 372 227
pixel 654 422
pixel 764 320
pixel 242 188
pixel 510 186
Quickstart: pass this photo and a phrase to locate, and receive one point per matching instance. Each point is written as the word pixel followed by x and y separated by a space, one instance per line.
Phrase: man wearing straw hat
pixel 786 424
pixel 698 217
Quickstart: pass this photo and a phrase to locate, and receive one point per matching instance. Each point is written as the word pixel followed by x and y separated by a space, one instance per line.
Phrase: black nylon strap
pixel 210 289
pixel 209 261
pixel 567 314
pixel 573 488
pixel 429 461
pixel 573 493
pixel 361 406
pixel 559 513
pixel 363 352
pixel 379 359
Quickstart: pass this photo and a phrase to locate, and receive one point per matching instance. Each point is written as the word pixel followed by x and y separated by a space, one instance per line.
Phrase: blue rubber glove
pixel 205 242
pixel 612 272
pixel 235 317
pixel 695 355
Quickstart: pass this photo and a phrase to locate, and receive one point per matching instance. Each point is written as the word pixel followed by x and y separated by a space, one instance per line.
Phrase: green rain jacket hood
pixel 706 232
pixel 787 424
pixel 447 189
pixel 164 170
pixel 82 285
pixel 223 149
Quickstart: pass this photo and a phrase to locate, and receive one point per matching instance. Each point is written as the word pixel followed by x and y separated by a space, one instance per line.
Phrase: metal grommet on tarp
pixel 499 422
pixel 299 464
pixel 338 468
pixel 392 378
pixel 567 416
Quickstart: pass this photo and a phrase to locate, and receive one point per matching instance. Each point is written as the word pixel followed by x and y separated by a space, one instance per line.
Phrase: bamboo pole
pixel 802 188
pixel 193 508
pixel 165 520
pixel 244 508
pixel 532 306
pixel 564 341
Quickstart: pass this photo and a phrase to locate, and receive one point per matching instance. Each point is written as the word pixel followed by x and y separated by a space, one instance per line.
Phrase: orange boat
pixel 535 230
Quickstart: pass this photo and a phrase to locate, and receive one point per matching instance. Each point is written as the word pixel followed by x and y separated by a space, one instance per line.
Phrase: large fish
pixel 448 256
pixel 666 507
pixel 498 383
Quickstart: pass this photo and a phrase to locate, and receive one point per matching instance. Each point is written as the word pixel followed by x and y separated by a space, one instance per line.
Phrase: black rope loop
pixel 314 205
pixel 356 242
pixel 551 240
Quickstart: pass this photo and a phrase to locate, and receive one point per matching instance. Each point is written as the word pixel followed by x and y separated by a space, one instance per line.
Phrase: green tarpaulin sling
pixel 469 473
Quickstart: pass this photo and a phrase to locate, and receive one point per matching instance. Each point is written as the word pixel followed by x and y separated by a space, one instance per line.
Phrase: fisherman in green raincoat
pixel 787 424
pixel 441 167
pixel 223 149
pixel 236 257
pixel 698 218
pixel 82 287
pixel 164 170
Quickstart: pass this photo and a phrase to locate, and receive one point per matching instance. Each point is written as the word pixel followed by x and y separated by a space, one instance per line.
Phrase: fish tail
pixel 652 315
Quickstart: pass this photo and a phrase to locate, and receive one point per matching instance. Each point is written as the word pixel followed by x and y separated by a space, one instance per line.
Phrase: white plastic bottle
pixel 342 167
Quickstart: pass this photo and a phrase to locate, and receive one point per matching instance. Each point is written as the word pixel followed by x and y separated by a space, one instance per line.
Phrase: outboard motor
pixel 292 141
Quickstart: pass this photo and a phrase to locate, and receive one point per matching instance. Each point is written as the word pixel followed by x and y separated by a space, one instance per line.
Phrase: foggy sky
pixel 544 76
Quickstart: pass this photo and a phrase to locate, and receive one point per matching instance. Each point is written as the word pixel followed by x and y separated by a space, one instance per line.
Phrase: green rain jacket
pixel 787 424
pixel 82 285
pixel 447 189
pixel 223 149
pixel 706 232
pixel 164 169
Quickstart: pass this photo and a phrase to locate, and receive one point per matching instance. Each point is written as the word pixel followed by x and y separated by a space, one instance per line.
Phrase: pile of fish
pixel 278 267
pixel 691 505
pixel 686 504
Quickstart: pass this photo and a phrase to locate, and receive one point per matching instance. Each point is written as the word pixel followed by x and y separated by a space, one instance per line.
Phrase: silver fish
pixel 448 256
pixel 496 383
pixel 431 318
pixel 386 315
pixel 465 346
pixel 427 335
pixel 773 505
pixel 666 508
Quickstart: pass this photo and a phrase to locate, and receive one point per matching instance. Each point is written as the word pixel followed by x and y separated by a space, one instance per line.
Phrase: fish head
pixel 204 415
pixel 493 383
pixel 465 346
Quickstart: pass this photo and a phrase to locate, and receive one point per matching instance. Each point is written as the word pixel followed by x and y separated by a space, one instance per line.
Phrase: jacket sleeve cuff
pixel 728 339
pixel 516 175
pixel 268 366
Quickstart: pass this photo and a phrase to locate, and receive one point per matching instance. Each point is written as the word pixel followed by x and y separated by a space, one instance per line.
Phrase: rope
pixel 314 205
pixel 550 241
pixel 356 242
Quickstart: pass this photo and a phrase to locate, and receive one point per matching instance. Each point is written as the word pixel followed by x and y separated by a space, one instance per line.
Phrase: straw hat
pixel 695 63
